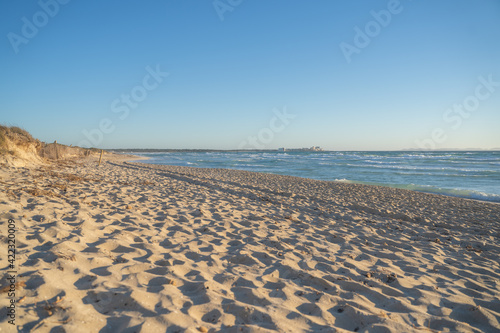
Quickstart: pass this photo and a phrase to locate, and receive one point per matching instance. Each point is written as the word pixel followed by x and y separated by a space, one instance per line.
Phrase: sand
pixel 130 247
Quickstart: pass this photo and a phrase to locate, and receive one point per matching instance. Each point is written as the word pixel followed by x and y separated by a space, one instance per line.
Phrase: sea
pixel 466 174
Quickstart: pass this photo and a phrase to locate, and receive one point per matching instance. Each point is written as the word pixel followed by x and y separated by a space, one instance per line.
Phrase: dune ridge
pixel 18 148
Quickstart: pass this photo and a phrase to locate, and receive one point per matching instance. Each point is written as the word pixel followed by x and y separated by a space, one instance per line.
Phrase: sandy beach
pixel 131 247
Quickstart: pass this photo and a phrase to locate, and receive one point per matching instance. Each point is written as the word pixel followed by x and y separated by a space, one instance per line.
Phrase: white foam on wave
pixel 453 174
pixel 453 192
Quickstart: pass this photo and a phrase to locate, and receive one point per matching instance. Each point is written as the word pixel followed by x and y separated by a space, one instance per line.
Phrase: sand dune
pixel 138 248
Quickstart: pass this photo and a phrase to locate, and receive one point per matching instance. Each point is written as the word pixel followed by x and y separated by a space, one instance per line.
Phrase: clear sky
pixel 344 74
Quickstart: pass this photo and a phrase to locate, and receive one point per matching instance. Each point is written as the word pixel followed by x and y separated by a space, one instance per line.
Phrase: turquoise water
pixel 474 175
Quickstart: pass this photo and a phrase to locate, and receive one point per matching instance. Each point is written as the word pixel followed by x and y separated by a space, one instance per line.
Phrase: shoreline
pixel 138 157
pixel 381 188
pixel 198 249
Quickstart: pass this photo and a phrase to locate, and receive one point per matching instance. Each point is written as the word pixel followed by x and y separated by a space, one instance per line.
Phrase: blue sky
pixel 423 73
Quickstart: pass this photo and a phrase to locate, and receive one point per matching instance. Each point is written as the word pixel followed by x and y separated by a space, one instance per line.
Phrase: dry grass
pixel 21 132
pixel 3 141
pixel 16 135
pixel 4 151
pixel 20 284
pixel 40 192
pixel 3 133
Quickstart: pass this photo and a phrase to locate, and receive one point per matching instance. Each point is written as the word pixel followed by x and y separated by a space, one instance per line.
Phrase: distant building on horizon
pixel 313 148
